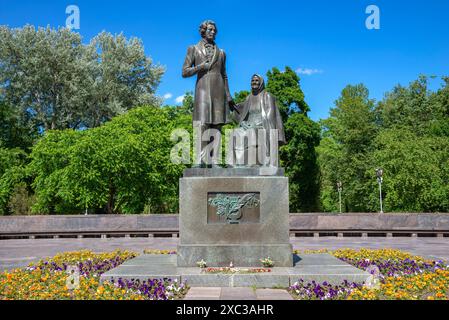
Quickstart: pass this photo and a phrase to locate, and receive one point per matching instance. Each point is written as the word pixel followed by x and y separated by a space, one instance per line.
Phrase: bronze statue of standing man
pixel 212 101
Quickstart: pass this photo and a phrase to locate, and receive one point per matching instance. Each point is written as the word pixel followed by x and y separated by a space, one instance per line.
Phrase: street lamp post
pixel 339 188
pixel 379 174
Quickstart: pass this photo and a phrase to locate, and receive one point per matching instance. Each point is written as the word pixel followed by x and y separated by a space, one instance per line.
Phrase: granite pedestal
pixel 257 227
pixel 261 231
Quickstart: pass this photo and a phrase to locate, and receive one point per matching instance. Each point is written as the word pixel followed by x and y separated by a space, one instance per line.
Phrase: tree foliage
pixel 343 153
pixel 12 172
pixel 56 81
pixel 116 168
pixel 240 96
pixel 416 171
pixel 406 134
pixel 15 131
pixel 299 158
pixel 285 86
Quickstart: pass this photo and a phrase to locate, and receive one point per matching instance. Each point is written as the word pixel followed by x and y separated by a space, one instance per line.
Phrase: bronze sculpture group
pixel 233 212
pixel 258 117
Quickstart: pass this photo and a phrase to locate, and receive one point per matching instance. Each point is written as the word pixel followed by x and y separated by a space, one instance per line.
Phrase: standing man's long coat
pixel 211 90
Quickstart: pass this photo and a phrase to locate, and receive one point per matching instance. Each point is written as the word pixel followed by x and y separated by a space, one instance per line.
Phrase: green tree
pixel 49 159
pixel 352 120
pixel 187 102
pixel 298 156
pixel 285 86
pixel 439 125
pixel 21 200
pixel 42 74
pixel 416 171
pixel 185 109
pixel 410 107
pixel 240 96
pixel 347 138
pixel 121 78
pixel 330 155
pixel 16 131
pixel 117 168
pixel 406 134
pixel 12 172
pixel 58 82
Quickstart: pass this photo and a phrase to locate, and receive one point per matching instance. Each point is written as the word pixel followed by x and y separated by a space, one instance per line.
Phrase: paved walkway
pixel 18 253
pixel 429 247
pixel 236 293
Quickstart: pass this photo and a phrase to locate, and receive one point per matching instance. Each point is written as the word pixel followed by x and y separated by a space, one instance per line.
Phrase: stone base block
pixel 309 267
pixel 239 255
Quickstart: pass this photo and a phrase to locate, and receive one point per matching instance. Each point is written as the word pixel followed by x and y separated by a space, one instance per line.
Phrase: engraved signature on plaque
pixel 230 206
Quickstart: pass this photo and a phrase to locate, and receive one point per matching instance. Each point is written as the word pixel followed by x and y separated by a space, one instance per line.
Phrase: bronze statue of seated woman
pixel 261 125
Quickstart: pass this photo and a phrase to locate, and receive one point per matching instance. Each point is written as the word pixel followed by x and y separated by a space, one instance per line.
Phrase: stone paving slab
pixel 236 293
pixel 273 294
pixel 203 293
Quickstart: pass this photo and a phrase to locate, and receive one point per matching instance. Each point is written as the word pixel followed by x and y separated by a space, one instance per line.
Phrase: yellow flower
pixel 100 290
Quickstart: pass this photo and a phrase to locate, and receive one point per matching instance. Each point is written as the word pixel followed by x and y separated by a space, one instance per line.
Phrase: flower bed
pixel 47 279
pixel 154 289
pixel 393 266
pixel 401 276
pixel 322 291
pixel 428 285
pixel 88 263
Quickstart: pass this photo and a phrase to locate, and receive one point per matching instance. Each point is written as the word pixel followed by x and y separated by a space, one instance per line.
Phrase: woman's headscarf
pixel 261 83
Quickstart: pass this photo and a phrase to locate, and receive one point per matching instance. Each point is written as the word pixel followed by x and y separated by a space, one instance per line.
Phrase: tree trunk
pixel 111 199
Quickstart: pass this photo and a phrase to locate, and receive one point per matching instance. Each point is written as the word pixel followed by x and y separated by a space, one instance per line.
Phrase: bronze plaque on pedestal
pixel 233 207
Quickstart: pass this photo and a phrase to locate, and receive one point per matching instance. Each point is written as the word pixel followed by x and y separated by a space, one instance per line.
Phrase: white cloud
pixel 179 99
pixel 308 71
pixel 168 95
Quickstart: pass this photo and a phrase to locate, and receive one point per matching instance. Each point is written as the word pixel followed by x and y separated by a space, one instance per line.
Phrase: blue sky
pixel 327 38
